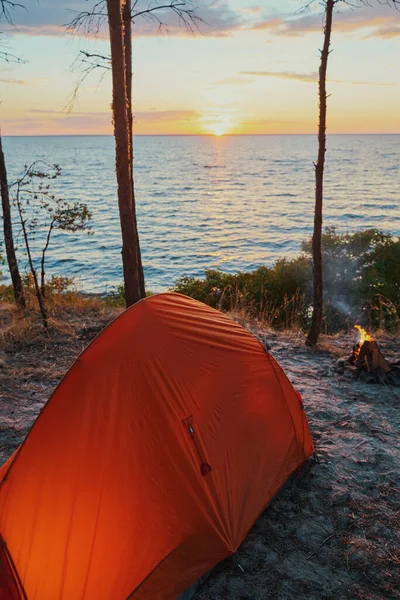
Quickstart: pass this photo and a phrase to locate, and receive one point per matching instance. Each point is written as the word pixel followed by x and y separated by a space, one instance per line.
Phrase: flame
pixel 364 336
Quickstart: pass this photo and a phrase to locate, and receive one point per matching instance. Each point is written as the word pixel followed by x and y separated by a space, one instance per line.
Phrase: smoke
pixel 341 287
pixel 342 306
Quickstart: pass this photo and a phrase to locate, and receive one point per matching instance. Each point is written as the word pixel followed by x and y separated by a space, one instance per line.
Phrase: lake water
pixel 229 202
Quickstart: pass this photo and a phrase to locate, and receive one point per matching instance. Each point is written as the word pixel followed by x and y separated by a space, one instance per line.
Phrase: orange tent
pixel 151 460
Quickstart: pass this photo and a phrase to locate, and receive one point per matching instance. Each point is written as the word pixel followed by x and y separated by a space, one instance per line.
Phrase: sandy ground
pixel 332 533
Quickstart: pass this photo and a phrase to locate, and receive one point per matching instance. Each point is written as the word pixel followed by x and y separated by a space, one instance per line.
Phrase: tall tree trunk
pixel 127 18
pixel 8 233
pixel 130 238
pixel 316 322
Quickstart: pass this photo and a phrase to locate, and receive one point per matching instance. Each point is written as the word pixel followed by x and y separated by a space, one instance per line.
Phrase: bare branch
pixel 86 63
pixel 353 3
pixel 92 61
pixel 394 3
pixel 187 16
pixel 6 9
pixel 10 58
pixel 91 21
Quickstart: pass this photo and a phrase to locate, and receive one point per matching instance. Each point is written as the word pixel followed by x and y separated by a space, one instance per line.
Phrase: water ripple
pixel 234 202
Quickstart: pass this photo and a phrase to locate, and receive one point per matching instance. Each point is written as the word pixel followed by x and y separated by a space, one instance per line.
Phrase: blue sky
pixel 251 69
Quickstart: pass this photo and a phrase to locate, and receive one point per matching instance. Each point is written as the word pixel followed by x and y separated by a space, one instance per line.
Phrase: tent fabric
pixel 9 584
pixel 152 459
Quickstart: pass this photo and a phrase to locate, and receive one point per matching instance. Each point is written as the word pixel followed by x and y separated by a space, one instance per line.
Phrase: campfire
pixel 367 355
pixel 368 362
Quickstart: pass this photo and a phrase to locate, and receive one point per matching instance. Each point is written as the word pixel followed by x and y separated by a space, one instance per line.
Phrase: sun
pixel 218 129
pixel 222 125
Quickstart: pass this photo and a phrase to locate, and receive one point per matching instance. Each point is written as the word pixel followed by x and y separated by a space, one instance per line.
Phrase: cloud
pixel 37 30
pixel 274 24
pixel 310 77
pixel 384 83
pixel 252 10
pixel 13 81
pixel 306 77
pixel 45 111
pixel 389 32
pixel 220 19
pixel 48 18
pixel 382 20
pixel 43 121
pixel 149 116
pixel 33 82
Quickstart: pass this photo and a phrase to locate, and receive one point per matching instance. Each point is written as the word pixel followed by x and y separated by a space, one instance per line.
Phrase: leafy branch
pixel 41 211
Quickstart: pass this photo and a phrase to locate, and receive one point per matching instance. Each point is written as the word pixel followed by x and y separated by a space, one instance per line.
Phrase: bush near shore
pixel 361 284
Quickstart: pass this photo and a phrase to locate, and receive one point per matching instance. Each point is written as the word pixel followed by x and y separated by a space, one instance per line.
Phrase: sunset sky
pixel 252 69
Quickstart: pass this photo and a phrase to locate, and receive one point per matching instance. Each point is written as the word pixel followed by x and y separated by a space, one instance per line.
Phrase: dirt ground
pixel 333 532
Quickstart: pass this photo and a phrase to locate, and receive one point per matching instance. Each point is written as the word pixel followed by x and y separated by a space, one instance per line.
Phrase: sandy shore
pixel 332 532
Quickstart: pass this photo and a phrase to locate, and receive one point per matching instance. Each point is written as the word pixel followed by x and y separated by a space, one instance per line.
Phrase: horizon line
pixel 17 135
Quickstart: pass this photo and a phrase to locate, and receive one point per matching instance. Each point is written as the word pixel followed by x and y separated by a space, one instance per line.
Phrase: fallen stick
pixel 320 546
pixel 359 444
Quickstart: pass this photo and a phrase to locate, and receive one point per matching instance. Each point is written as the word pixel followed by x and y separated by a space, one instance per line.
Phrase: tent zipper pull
pixel 205 468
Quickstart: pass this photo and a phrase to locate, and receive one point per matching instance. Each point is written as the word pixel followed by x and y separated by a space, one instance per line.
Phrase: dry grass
pixel 285 316
pixel 67 312
pixel 33 360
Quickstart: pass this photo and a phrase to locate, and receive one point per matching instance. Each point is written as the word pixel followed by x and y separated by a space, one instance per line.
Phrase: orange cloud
pixel 306 77
pixel 385 32
pixel 273 24
pixel 310 77
pixel 383 20
pixel 13 81
pixel 53 122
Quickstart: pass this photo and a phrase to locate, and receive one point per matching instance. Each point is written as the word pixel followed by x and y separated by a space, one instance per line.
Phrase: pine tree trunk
pixel 127 18
pixel 130 238
pixel 8 234
pixel 316 322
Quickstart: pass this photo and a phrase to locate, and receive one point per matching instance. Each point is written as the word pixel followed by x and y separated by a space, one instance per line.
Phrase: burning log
pixel 367 362
pixel 370 362
pixel 367 355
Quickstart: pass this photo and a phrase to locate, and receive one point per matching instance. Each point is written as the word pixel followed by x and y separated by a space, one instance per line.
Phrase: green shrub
pixel 117 296
pixel 361 282
pixel 275 294
pixel 361 278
